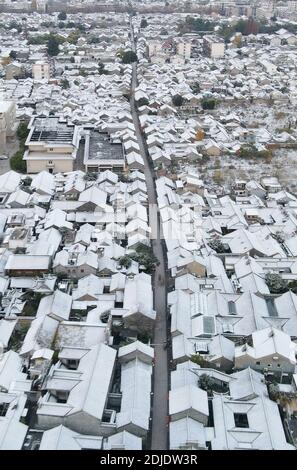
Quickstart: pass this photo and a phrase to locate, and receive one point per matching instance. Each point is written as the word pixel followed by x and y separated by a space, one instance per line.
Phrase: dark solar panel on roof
pixel 51 130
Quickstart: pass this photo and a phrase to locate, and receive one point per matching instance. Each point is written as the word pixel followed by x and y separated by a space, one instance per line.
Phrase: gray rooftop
pixel 100 148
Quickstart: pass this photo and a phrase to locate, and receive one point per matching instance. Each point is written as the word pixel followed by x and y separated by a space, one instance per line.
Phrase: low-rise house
pixel 63 438
pixel 138 303
pixel 272 351
pixel 75 264
pixel 9 182
pixel 243 418
pixel 12 430
pixel 88 288
pixel 188 401
pixel 27 265
pixel 242 424
pixel 10 370
pixel 43 183
pixel 136 373
pixel 40 335
pixel 77 395
pixel 57 306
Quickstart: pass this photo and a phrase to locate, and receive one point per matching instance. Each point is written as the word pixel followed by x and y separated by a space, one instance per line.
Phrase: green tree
pixel 195 24
pixel 101 69
pixel 13 55
pixel 163 32
pixel 250 151
pixel 15 25
pixel 22 132
pixel 70 24
pixel 293 286
pixel 47 24
pixel 65 84
pixel 62 16
pixel 275 283
pixel 143 23
pixel 27 181
pixel 128 57
pixel 198 359
pixel 144 256
pixel 90 176
pixel 125 261
pixel 81 27
pixel 94 40
pixel 142 102
pixel 207 383
pixel 177 100
pixel 17 163
pixel 53 46
pixel 74 37
pixel 217 246
pixel 208 103
pixel 196 88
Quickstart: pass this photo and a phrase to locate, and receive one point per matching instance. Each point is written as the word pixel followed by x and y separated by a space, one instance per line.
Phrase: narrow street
pixel 160 389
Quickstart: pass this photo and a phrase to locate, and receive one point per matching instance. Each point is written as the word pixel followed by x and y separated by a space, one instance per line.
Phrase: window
pixel 51 149
pixel 82 270
pixel 50 162
pixel 232 307
pixel 73 363
pixel 3 408
pixel 241 420
pixel 118 304
pixel 106 289
pixel 62 396
pixel 258 363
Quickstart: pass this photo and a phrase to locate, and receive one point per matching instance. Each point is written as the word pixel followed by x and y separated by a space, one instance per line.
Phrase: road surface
pixel 160 388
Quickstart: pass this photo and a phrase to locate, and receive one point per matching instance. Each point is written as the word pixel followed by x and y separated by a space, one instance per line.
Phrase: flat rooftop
pixel 100 148
pixel 50 129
